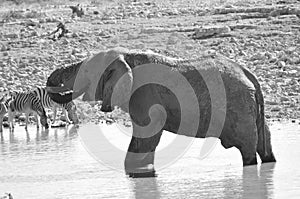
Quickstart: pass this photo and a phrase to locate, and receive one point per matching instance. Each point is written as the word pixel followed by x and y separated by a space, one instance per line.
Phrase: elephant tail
pixel 260 119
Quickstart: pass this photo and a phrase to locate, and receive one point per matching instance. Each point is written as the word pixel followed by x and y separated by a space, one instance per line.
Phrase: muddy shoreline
pixel 262 36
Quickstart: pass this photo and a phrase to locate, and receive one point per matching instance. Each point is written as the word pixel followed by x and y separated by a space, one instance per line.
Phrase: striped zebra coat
pixel 4 106
pixel 69 109
pixel 26 102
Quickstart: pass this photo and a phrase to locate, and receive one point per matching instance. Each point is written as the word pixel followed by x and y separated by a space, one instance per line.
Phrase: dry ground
pixel 262 35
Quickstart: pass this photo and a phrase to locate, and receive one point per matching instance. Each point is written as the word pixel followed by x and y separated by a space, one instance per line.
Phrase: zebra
pixel 4 106
pixel 26 102
pixel 47 102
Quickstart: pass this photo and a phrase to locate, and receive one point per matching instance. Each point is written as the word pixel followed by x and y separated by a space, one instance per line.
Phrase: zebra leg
pixel 37 120
pixel 54 114
pixel 66 116
pixel 70 111
pixel 38 108
pixel 1 123
pixel 26 120
pixel 11 116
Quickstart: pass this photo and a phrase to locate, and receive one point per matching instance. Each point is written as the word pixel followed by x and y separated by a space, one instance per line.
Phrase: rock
pixel 291 50
pixel 65 41
pixel 72 57
pixel 293 94
pixel 292 72
pixel 22 75
pixel 34 33
pixel 5 53
pixel 35 71
pixel 3 47
pixel 243 26
pixel 258 56
pixel 43 20
pixel 275 109
pixel 51 19
pixel 12 36
pixel 271 102
pixel 281 64
pixel 210 31
pixel 81 55
pixel 98 39
pixel 22 65
pixel 75 35
pixel 284 99
pixel 75 50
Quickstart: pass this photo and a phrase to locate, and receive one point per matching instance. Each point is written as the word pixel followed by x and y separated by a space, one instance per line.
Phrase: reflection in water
pixel 56 161
pixel 1 138
pixel 27 137
pixel 233 185
pixel 12 138
pixel 73 132
pixel 258 183
pixel 45 134
pixel 145 188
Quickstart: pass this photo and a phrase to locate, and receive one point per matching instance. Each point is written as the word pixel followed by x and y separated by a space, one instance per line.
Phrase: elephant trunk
pixel 62 80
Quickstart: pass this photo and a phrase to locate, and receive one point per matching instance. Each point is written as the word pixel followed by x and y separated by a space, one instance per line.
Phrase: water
pixel 56 165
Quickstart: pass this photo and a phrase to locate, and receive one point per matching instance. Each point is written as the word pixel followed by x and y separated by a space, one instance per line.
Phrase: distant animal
pixel 59 32
pixel 69 109
pixel 4 105
pixel 77 10
pixel 26 102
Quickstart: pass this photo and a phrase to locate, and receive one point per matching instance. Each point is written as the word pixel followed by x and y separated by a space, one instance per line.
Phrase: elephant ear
pixel 121 81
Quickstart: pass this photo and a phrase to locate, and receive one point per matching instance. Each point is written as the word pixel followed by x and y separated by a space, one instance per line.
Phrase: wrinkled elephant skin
pixel 112 76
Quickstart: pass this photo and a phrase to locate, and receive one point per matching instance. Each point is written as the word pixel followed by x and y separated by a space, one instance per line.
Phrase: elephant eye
pixel 110 73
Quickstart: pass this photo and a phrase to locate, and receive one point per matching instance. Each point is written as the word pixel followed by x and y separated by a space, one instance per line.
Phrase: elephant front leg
pixel 139 161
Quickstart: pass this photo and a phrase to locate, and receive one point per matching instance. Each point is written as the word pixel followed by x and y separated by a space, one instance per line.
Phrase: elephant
pixel 116 71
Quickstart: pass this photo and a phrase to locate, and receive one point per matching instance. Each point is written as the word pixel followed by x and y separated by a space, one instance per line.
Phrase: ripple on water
pixel 54 164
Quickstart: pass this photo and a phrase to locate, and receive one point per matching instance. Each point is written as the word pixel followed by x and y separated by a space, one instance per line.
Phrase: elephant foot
pixel 250 162
pixel 141 172
pixel 249 158
pixel 269 158
pixel 150 174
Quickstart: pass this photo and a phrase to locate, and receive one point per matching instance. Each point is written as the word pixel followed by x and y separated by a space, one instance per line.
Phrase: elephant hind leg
pixel 265 153
pixel 248 155
pixel 241 133
pixel 247 142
